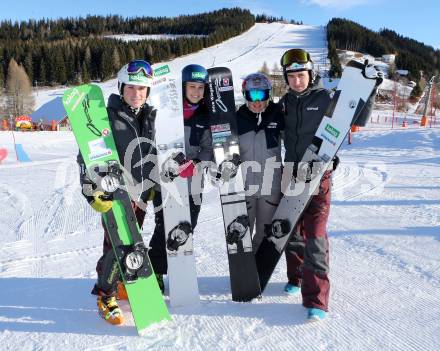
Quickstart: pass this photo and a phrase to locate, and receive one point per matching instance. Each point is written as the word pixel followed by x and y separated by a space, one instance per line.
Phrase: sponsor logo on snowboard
pixel 352 104
pixel 215 128
pixel 328 139
pixel 225 82
pixel 98 149
pixel 74 93
pixel 332 130
pixel 226 88
pixel 161 71
pixel 106 132
pixel 159 81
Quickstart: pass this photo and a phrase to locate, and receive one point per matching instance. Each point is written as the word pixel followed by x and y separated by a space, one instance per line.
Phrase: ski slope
pixel 243 54
pixel 384 242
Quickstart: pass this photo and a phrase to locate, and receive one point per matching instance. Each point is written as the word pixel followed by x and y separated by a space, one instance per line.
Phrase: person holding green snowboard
pixel 132 123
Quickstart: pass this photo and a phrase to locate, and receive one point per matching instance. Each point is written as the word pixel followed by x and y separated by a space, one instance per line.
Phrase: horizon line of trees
pixel 270 19
pixel 74 51
pixel 411 54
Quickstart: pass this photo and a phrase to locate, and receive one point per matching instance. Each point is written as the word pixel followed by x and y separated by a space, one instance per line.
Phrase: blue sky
pixel 404 16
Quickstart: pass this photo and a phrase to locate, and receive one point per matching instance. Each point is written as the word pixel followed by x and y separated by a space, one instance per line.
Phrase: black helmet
pixel 296 60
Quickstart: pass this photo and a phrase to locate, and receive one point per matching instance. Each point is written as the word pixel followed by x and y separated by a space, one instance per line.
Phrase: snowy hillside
pixel 243 54
pixel 384 242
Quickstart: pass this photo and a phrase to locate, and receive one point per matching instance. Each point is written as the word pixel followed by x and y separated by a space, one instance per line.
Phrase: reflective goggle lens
pixel 294 56
pixel 257 95
pixel 139 65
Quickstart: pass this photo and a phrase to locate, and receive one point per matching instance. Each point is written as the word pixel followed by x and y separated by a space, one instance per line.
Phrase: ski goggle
pixel 137 66
pixel 257 95
pixel 295 56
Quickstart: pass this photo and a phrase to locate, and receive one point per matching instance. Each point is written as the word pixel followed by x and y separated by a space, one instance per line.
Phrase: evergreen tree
pixel 85 77
pixel 264 69
pixel 28 66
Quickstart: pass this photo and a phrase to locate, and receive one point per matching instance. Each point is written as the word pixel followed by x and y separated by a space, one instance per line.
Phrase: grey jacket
pixel 261 143
pixel 303 114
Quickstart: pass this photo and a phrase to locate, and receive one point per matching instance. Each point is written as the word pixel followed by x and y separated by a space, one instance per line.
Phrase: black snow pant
pixel 157 252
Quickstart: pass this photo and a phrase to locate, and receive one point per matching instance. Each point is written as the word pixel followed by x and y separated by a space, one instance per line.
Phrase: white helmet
pixel 136 72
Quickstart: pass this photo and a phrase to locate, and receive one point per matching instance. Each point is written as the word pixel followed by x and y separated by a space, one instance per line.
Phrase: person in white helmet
pixel 132 122
pixel 260 123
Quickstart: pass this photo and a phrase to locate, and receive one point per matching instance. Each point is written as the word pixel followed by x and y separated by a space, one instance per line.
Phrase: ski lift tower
pixel 424 120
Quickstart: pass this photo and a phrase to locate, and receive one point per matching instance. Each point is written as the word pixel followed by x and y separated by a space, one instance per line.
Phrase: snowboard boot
pixel 109 310
pixel 121 293
pixel 159 278
pixel 315 315
pixel 291 289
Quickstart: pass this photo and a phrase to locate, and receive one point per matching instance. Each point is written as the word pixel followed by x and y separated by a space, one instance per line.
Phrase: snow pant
pixel 260 211
pixel 157 252
pixel 107 266
pixel 307 252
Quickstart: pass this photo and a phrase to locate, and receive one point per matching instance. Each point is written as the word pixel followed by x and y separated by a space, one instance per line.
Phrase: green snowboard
pixel 88 117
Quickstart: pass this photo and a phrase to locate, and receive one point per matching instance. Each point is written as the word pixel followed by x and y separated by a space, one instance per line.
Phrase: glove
pixel 188 169
pixel 100 203
pixel 228 168
pixel 336 162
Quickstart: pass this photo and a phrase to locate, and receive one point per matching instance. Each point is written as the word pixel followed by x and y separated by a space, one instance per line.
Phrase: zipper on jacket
pixel 140 153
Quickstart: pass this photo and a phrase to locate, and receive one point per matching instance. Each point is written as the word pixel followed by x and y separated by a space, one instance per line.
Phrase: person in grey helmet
pixel 260 123
pixel 131 120
pixel 307 253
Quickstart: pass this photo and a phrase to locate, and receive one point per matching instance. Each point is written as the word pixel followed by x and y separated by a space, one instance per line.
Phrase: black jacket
pixel 134 139
pixel 198 139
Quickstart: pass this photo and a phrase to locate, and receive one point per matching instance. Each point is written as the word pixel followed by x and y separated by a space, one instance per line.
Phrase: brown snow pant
pixel 307 253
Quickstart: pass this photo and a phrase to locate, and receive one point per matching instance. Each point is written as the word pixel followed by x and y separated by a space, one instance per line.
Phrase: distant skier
pixel 131 118
pixel 198 147
pixel 307 253
pixel 260 123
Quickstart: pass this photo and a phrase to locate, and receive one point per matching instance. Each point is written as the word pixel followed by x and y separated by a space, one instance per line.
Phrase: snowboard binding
pixel 227 170
pixel 237 229
pixel 134 261
pixel 171 167
pixel 107 178
pixel 178 236
pixel 279 228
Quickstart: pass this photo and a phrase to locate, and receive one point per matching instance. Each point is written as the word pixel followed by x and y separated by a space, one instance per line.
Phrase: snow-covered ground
pixel 137 37
pixel 384 235
pixel 385 267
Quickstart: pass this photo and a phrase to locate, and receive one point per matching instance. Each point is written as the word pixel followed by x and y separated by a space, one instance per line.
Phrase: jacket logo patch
pixel 312 108
pixel 272 125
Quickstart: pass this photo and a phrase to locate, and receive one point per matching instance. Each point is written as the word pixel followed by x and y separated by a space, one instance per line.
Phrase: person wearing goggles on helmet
pixel 198 147
pixel 307 253
pixel 132 122
pixel 260 123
